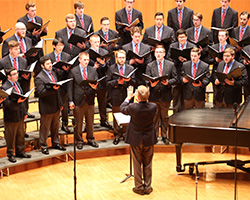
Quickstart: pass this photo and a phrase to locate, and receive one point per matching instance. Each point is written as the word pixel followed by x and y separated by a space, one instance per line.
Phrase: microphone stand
pixel 75 178
pixel 236 143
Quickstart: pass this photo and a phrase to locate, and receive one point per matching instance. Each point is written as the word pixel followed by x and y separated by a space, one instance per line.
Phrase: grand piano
pixel 212 127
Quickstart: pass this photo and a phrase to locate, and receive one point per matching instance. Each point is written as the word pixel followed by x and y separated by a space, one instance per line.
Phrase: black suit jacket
pixel 87 20
pixel 160 91
pixel 236 33
pixel 81 94
pixel 39 20
pixel 49 99
pixel 203 33
pixel 5 63
pixel 118 92
pixel 186 20
pixel 231 20
pixel 189 90
pixel 121 16
pixel 64 35
pixel 141 127
pixel 231 94
pixel 144 48
pixel 13 111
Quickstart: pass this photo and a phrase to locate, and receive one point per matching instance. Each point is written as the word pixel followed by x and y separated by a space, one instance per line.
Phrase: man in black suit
pixel 160 92
pixel 118 88
pixel 247 64
pixel 197 33
pixel 159 31
pixel 139 48
pixel 62 74
pixel 180 17
pixel 31 16
pixel 65 34
pixel 223 17
pixel 127 15
pixel 50 105
pixel 82 20
pixel 14 115
pixel 194 92
pixel 182 43
pixel 141 137
pixel 81 99
pixel 229 92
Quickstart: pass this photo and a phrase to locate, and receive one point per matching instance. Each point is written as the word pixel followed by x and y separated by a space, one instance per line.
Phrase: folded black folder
pixel 61 63
pixel 59 83
pixel 176 53
pixel 15 95
pixel 5 93
pixel 123 76
pixel 203 43
pixel 236 74
pixel 32 25
pixel 74 38
pixel 245 55
pixel 218 29
pixel 196 79
pixel 3 33
pixel 34 49
pixel 132 54
pixel 234 42
pixel 215 53
pixel 94 55
pixel 108 41
pixel 153 79
pixel 2 74
pixel 134 23
pixel 29 69
pixel 87 81
pixel 87 30
pixel 153 41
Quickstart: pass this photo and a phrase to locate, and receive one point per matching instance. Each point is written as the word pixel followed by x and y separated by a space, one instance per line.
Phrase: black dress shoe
pixel 149 191
pixel 93 143
pixel 65 127
pixel 116 141
pixel 141 192
pixel 45 151
pixel 106 124
pixel 59 147
pixel 12 159
pixel 165 140
pixel 26 135
pixel 31 116
pixel 23 155
pixel 79 145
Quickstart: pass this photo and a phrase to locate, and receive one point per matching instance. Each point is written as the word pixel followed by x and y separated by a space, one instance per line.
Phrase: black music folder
pixel 59 83
pixel 108 41
pixel 3 33
pixel 203 43
pixel 234 42
pixel 132 54
pixel 214 53
pixel 123 76
pixel 236 74
pixel 218 29
pixel 2 74
pixel 153 41
pixel 29 69
pixel 74 38
pixel 153 79
pixel 34 49
pixel 94 55
pixel 32 25
pixel 175 53
pixel 134 23
pixel 87 81
pixel 61 63
pixel 16 95
pixel 88 29
pixel 196 79
pixel 5 93
pixel 245 55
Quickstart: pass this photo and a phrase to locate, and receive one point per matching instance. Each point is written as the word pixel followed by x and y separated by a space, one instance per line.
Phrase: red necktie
pixel 226 69
pixel 194 70
pixel 222 18
pixel 14 63
pixel 57 58
pixel 158 34
pixel 121 71
pixel 221 49
pixel 82 23
pixel 32 20
pixel 136 49
pixel 84 75
pixel 241 34
pixel 22 46
pixel 70 45
pixel 196 38
pixel 52 78
pixel 182 46
pixel 160 69
pixel 129 18
pixel 16 88
pixel 180 19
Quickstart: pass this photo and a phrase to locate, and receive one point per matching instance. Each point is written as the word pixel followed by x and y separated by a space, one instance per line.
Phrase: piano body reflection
pixel 212 127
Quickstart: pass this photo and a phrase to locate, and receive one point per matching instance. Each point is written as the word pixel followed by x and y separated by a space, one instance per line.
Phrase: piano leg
pixel 178 148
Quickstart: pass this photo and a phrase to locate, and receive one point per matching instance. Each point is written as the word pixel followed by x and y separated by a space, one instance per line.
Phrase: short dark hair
pixel 29 5
pixel 245 13
pixel 225 31
pixel 196 50
pixel 181 31
pixel 9 70
pixel 159 14
pixel 44 59
pixel 78 4
pixel 57 40
pixel 182 0
pixel 136 29
pixel 199 15
pixel 103 19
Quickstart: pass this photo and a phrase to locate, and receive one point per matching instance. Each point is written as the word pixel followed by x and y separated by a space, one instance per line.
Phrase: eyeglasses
pixel 129 2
